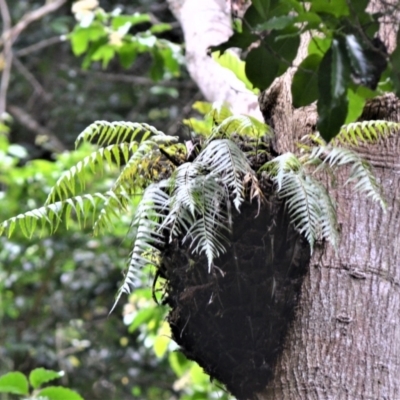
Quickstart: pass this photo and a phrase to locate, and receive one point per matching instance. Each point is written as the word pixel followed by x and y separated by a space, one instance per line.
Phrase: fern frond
pixel 50 215
pixel 114 202
pixel 365 131
pixel 228 164
pixel 103 132
pixel 310 208
pixel 280 166
pixel 207 232
pixel 242 125
pixel 110 155
pixel 360 171
pixel 219 112
pixel 148 223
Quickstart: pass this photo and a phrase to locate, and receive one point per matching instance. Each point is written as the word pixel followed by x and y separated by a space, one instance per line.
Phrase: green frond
pixel 228 164
pixel 51 215
pixel 148 224
pixel 114 203
pixel 219 112
pixel 360 171
pixel 109 156
pixel 365 131
pixel 103 132
pixel 135 172
pixel 310 208
pixel 242 125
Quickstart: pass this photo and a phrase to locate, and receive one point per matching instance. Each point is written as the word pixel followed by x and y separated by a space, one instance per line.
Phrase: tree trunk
pixel 340 338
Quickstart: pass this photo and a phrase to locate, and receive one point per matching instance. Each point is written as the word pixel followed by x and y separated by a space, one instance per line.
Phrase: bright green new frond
pixel 365 131
pixel 103 132
pixel 242 125
pixel 228 164
pixel 360 171
pixel 148 224
pixel 206 235
pixel 219 112
pixel 50 215
pixel 110 156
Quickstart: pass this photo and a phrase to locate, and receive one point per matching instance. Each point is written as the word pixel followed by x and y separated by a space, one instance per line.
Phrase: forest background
pixel 56 292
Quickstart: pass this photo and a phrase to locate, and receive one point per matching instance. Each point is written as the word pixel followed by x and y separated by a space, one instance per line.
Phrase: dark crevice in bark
pixel 233 320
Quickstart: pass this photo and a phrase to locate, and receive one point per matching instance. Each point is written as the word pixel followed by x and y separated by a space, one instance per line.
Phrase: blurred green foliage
pixel 56 292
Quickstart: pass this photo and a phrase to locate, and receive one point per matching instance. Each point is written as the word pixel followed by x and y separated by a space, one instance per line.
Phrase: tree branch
pixel 43 136
pixel 7 54
pixel 39 45
pixel 13 33
pixel 207 23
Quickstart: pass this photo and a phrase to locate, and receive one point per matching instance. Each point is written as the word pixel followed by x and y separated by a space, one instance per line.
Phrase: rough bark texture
pixel 344 342
pixel 344 339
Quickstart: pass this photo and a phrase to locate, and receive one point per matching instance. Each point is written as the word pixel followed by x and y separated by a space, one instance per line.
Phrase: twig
pixel 43 136
pixel 31 79
pixel 39 45
pixel 10 35
pixel 13 33
pixel 137 80
pixel 7 54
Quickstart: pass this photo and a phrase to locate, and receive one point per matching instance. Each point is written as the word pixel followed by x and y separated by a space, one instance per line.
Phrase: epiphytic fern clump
pixel 192 201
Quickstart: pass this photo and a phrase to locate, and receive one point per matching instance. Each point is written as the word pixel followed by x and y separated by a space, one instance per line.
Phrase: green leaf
pixel 261 68
pixel 41 375
pixel 333 80
pixel 262 7
pixel 14 382
pixel 359 62
pixel 59 393
pixel 356 105
pixel 276 23
pixel 81 37
pixel 104 53
pixel 319 45
pixel 241 40
pixel 157 68
pixel 305 81
pixel 338 8
pixel 127 54
pixel 340 71
pixel 160 345
pixel 272 58
pixel 121 20
pixel 395 66
pixel 232 62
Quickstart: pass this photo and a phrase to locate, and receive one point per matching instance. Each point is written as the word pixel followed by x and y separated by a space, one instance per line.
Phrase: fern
pixel 51 215
pixel 148 224
pixel 242 125
pixel 360 170
pixel 66 184
pixel 364 132
pixel 229 164
pixel 103 132
pixel 207 233
pixel 310 207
